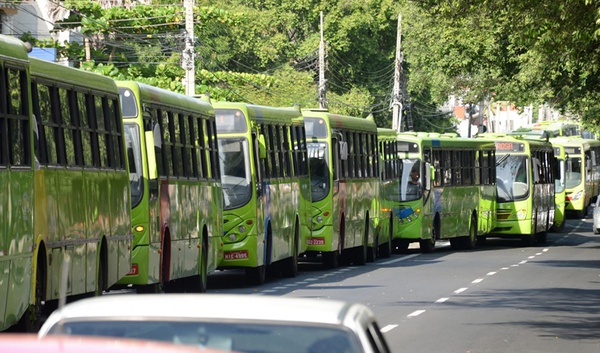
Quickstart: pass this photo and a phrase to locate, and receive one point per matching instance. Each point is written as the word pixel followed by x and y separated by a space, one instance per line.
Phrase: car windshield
pixel 251 337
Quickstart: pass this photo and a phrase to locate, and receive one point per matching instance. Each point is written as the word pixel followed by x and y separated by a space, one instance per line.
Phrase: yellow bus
pixel 175 188
pixel 65 225
pixel 525 182
pixel 264 173
pixel 344 171
pixel 445 189
pixel 582 173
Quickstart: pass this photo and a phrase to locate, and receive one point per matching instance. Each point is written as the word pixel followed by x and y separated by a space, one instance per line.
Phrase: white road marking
pixel 416 313
pixel 478 280
pixel 491 273
pixel 460 290
pixel 441 300
pixel 388 328
pixel 403 258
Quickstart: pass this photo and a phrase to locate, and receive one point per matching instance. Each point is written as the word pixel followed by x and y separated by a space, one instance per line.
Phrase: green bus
pixel 525 181
pixel 175 188
pixel 266 201
pixel 445 190
pixel 582 173
pixel 65 227
pixel 344 172
pixel 559 188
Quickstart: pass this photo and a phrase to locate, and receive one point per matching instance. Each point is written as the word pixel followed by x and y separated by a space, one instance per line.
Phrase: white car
pixel 596 218
pixel 244 323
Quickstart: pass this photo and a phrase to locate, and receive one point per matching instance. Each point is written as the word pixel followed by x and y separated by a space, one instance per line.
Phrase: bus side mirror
pixel 262 147
pixel 343 150
pixel 429 175
pixel 562 173
pixel 153 141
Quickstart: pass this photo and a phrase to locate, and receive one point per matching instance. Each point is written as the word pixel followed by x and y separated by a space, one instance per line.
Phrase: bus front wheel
pixel 331 259
pixel 256 275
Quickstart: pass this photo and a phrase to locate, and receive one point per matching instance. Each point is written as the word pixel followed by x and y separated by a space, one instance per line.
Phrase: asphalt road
pixel 501 297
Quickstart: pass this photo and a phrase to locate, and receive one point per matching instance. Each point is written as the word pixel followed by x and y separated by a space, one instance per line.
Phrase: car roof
pixel 30 343
pixel 212 306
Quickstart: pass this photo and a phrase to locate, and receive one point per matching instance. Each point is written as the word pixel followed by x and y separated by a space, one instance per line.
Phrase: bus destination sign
pixel 509 146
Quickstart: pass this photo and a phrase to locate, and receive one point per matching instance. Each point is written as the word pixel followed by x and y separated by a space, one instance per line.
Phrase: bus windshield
pixel 319 170
pixel 134 155
pixel 573 172
pixel 235 172
pixel 512 177
pixel 410 186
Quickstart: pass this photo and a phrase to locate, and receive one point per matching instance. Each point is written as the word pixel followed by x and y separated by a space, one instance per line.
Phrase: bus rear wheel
pixel 331 259
pixel 470 241
pixel 290 265
pixel 31 321
pixel 256 275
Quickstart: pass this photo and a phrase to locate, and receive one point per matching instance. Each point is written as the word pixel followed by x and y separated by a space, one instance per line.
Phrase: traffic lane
pixel 548 303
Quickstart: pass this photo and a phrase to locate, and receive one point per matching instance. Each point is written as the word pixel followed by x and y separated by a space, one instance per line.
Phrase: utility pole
pixel 397 123
pixel 322 81
pixel 188 52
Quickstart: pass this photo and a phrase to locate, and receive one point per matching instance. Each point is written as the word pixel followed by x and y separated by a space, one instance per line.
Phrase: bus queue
pixel 111 184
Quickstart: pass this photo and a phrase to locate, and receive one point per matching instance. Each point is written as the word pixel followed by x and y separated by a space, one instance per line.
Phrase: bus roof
pixel 341 121
pixel 165 97
pixel 12 49
pixel 449 140
pixel 261 112
pixel 572 141
pixel 66 75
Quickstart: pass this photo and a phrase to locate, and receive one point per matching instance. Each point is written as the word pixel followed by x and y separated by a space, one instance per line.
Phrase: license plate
pixel 236 255
pixel 316 241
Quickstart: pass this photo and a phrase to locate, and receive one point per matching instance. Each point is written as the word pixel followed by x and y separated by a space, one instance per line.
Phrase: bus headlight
pixel 242 229
pixel 522 214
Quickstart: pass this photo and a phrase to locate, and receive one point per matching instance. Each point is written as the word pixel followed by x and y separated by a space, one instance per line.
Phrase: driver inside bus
pixel 414 184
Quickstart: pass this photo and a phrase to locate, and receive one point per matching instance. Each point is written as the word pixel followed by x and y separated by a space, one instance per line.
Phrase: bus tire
pixel 528 239
pixel 470 241
pixel 31 321
pixel 542 237
pixel 385 250
pixel 360 253
pixel 331 259
pixel 428 245
pixel 290 265
pixel 558 228
pixel 199 282
pixel 401 246
pixel 102 277
pixel 256 275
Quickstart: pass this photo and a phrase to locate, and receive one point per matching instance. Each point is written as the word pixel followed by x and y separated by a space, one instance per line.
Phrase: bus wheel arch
pixel 428 245
pixel 31 320
pixel 165 262
pixel 199 282
pixel 102 268
pixel 360 252
pixel 471 240
pixel 290 265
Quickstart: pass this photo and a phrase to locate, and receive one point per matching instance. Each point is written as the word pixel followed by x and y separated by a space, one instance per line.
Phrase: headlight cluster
pixel 577 196
pixel 241 233
pixel 319 220
pixel 406 215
